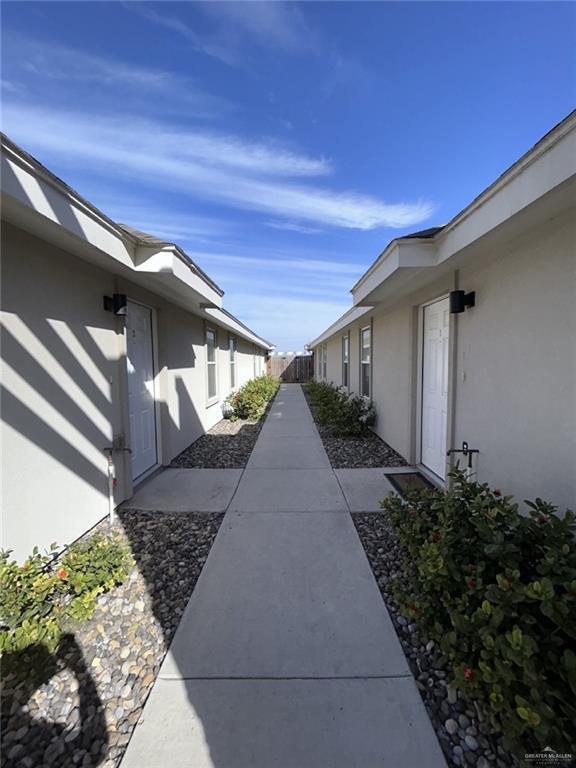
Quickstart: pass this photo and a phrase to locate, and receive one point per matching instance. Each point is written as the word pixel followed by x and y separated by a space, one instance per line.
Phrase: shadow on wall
pixel 48 366
pixel 60 399
pixel 62 211
pixel 37 411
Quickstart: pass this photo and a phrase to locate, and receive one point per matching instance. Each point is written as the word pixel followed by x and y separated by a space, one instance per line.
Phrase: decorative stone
pixel 14 751
pixel 451 694
pixel 453 716
pixel 451 726
pixel 471 742
pixel 123 646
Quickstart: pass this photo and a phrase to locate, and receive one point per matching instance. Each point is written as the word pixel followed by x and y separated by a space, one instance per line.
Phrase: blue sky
pixel 283 145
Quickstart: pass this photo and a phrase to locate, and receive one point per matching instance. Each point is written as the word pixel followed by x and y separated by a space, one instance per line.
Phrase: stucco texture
pixel 65 389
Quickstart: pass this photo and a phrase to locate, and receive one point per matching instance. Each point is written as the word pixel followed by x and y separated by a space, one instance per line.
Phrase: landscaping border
pixel 364 452
pixel 465 737
pixel 96 684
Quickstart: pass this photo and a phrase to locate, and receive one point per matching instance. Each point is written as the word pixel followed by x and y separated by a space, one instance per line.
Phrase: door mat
pixel 404 482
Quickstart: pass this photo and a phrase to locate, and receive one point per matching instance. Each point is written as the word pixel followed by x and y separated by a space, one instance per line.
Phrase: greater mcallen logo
pixel 549 757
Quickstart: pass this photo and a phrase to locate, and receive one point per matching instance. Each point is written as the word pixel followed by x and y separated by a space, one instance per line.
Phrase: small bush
pixel 496 590
pixel 347 415
pixel 251 400
pixel 39 597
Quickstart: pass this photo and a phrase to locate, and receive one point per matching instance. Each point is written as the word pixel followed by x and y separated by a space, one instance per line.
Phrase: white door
pixel 141 401
pixel 435 386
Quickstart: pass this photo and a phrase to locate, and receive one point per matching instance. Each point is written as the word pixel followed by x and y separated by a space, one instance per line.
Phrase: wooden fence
pixel 291 368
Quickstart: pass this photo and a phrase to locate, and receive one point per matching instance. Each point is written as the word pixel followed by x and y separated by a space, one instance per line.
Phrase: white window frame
pixel 324 361
pixel 232 347
pixel 346 360
pixel 368 362
pixel 210 400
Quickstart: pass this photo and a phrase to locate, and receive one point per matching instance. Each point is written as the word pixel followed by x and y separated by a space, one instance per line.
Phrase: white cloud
pixel 285 266
pixel 38 61
pixel 276 24
pixel 288 322
pixel 11 87
pixel 293 227
pixel 200 43
pixel 226 170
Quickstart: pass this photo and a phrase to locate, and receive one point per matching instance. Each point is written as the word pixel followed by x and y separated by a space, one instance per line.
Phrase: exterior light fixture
pixel 460 301
pixel 116 303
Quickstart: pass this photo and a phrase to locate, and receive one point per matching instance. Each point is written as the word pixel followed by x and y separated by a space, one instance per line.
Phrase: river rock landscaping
pixel 483 595
pixel 229 443
pixel 80 703
pixel 465 739
pixel 343 423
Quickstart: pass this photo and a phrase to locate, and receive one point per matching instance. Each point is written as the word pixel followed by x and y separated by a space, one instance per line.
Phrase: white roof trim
pixel 546 166
pixel 234 325
pixel 349 317
pixel 38 201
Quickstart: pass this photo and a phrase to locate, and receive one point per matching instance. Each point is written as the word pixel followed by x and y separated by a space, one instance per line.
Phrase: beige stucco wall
pixel 513 382
pixel 516 374
pixel 65 390
pixel 60 390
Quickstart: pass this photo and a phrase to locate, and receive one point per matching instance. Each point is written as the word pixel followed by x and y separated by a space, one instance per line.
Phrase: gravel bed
pixel 227 445
pixel 356 452
pixel 466 738
pixel 87 697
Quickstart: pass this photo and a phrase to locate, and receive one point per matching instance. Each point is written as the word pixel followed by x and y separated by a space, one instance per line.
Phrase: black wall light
pixel 459 301
pixel 116 303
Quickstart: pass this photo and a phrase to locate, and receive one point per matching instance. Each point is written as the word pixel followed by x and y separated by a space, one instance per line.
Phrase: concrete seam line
pixel 341 490
pixel 408 675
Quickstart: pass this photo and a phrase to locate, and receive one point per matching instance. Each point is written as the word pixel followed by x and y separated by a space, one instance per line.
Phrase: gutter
pixel 552 137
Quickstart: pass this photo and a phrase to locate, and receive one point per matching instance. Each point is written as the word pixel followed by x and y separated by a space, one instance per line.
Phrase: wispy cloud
pixel 226 26
pixel 227 170
pixel 273 24
pixel 293 227
pixel 65 66
pixel 11 87
pixel 282 264
pixel 200 43
pixel 285 319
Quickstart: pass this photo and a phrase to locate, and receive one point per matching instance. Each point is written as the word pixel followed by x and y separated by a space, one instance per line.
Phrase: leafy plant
pixel 496 589
pixel 251 400
pixel 39 597
pixel 346 414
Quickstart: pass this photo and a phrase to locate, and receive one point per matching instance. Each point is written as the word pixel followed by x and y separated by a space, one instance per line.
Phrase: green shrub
pixel 251 400
pixel 346 414
pixel 39 597
pixel 496 590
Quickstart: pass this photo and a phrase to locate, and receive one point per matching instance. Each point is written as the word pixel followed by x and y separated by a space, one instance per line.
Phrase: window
pixel 345 361
pixel 324 359
pixel 365 354
pixel 211 363
pixel 318 355
pixel 232 348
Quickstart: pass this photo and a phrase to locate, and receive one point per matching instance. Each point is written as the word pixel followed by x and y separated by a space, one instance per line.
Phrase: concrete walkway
pixel 285 656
